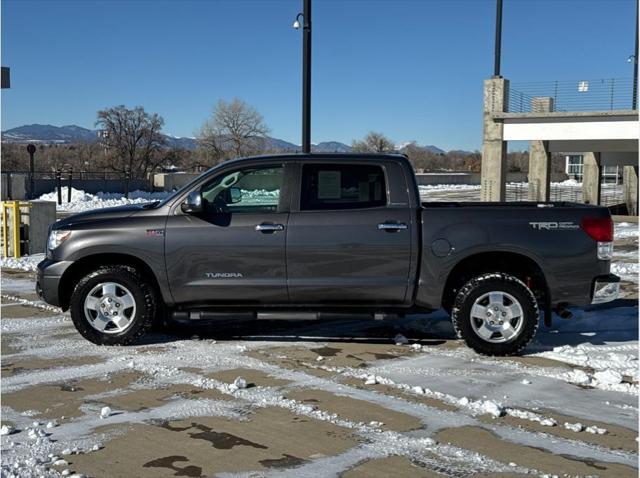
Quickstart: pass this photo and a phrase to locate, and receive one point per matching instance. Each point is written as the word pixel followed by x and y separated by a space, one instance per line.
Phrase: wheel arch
pixel 86 264
pixel 518 265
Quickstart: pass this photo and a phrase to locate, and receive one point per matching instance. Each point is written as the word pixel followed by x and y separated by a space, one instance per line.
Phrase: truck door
pixel 347 243
pixel 234 251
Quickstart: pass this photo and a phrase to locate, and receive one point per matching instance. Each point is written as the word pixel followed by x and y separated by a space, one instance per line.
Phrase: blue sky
pixel 410 69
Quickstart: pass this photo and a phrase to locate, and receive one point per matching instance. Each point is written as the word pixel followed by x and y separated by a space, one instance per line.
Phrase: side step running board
pixel 207 315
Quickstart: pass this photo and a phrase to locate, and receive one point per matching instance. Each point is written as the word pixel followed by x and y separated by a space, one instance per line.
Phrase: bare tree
pixel 373 143
pixel 235 129
pixel 133 137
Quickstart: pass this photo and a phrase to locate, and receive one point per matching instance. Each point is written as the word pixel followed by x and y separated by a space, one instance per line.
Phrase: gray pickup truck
pixel 327 233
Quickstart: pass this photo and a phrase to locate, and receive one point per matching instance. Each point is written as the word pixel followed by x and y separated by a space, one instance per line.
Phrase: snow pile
pixel 238 384
pixel 574 427
pixel 424 189
pixel 83 201
pixel 24 263
pixel 624 230
pixel 482 407
pixel 531 416
pixel 568 182
pixel 400 340
pixel 627 271
pixel 579 427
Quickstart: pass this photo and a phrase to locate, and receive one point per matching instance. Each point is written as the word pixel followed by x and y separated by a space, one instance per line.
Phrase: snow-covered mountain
pixel 429 147
pixel 49 134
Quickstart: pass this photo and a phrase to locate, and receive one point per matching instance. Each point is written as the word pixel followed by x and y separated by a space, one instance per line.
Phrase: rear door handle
pixel 267 227
pixel 392 226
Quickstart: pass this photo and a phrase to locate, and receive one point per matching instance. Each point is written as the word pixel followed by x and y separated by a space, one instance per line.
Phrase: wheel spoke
pixel 120 321
pixel 91 302
pixel 484 331
pixel 514 311
pixel 479 311
pixel 496 298
pixel 127 301
pixel 101 322
pixel 109 289
pixel 508 331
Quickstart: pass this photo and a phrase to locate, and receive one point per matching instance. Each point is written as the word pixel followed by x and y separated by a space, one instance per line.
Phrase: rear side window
pixel 342 186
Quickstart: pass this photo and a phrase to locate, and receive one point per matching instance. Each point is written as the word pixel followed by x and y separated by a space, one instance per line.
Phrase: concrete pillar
pixel 41 214
pixel 494 148
pixel 591 178
pixel 539 171
pixel 630 185
pixel 539 157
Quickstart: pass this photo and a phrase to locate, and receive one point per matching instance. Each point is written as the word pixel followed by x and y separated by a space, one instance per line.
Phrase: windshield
pixel 189 185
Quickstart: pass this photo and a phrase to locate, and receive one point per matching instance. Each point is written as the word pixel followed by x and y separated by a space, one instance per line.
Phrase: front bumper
pixel 48 280
pixel 605 289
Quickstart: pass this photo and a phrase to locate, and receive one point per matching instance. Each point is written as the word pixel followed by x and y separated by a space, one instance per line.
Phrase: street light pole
pixel 498 43
pixel 306 77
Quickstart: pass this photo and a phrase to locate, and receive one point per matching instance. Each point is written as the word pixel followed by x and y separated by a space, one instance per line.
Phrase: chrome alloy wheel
pixel 497 317
pixel 110 307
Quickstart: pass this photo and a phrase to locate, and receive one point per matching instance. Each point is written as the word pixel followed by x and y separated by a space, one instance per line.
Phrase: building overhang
pixel 621 125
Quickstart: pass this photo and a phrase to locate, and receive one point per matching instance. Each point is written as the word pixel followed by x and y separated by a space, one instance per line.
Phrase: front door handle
pixel 268 228
pixel 392 226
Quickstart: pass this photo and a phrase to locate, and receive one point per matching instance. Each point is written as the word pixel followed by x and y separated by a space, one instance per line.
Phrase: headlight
pixel 56 238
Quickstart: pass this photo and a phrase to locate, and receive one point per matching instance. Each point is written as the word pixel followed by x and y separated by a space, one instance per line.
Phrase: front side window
pixel 342 186
pixel 250 190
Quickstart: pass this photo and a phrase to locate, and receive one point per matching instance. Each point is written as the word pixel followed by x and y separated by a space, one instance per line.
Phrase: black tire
pixel 479 287
pixel 144 295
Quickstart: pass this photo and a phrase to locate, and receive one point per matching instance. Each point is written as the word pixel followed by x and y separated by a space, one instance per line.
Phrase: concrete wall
pixel 20 186
pixel 16 190
pixel 92 186
pixel 171 181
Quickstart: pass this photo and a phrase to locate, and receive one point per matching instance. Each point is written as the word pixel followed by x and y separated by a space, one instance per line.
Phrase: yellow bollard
pixel 5 232
pixel 14 227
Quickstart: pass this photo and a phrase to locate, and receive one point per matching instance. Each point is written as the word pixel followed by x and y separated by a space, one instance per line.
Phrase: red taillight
pixel 599 228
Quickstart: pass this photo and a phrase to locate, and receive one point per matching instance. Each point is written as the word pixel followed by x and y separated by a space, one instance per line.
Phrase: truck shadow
pixel 595 325
pixel 346 329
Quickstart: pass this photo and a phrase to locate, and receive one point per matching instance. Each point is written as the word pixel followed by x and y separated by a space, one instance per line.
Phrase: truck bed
pixel 514 204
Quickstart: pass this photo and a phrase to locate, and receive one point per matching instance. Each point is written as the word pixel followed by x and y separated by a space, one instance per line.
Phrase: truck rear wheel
pixel 113 305
pixel 495 314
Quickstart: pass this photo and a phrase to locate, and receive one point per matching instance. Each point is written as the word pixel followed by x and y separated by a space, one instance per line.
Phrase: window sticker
pixel 329 184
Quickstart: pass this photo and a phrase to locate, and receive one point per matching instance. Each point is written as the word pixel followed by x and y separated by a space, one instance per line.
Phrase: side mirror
pixel 235 195
pixel 193 203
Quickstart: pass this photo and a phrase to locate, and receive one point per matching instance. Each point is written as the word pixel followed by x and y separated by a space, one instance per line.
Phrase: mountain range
pixel 49 134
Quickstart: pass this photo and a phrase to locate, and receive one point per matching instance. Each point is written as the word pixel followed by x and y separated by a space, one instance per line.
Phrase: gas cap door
pixel 441 248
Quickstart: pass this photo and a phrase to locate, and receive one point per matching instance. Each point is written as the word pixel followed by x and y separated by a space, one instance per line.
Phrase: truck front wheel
pixel 495 314
pixel 113 305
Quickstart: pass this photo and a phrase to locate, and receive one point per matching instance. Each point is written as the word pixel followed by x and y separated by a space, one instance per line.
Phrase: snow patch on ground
pixel 24 263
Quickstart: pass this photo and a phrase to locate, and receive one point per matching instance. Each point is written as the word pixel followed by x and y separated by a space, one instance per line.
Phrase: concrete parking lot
pixel 343 397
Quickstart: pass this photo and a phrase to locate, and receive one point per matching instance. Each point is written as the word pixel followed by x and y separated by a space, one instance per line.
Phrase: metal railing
pixel 611 194
pixel 605 94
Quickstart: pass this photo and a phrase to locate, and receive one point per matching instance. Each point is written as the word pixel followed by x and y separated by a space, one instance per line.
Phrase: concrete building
pixel 575 116
pixel 573 167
